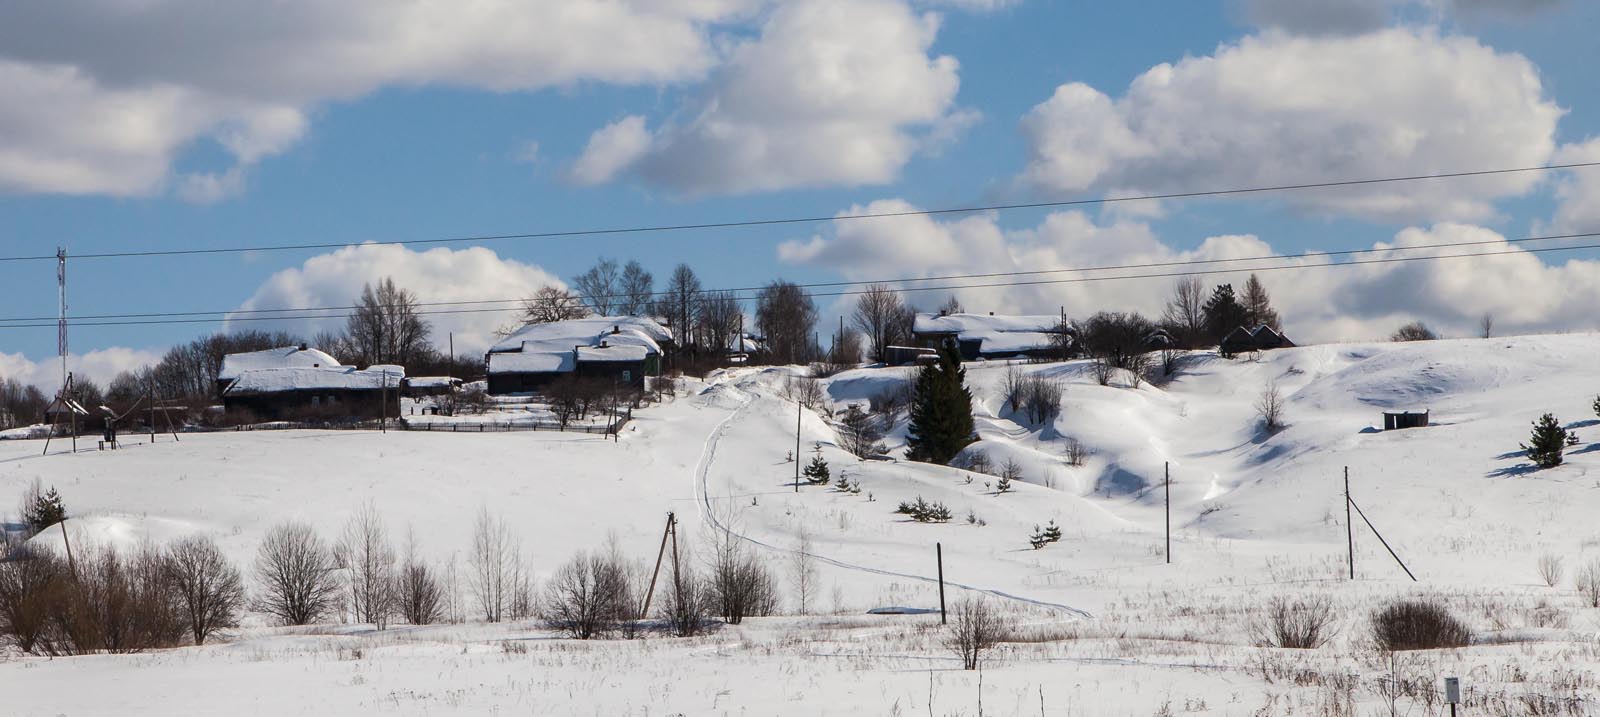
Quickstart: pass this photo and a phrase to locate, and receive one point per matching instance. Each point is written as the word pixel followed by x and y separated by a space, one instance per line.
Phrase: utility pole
pixel 383 423
pixel 938 552
pixel 650 593
pixel 61 322
pixel 1349 530
pixel 1167 471
pixel 797 409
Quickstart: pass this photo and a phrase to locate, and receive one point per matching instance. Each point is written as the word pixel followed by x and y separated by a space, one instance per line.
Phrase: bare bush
pixel 1587 580
pixel 1269 407
pixel 367 556
pixel 975 628
pixel 296 576
pixel 1011 389
pixel 1414 331
pixel 419 597
pixel 32 583
pixel 1102 369
pixel 208 588
pixel 495 568
pixel 1041 398
pixel 860 433
pixel 687 600
pixel 805 572
pixel 1296 624
pixel 1550 569
pixel 1418 625
pixel 588 597
pixel 120 603
pixel 805 391
pixel 740 584
pixel 1075 452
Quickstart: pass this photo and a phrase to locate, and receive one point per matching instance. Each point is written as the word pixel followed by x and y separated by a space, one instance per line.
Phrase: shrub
pixel 1418 625
pixel 587 597
pixel 923 511
pixel 1414 331
pixel 1009 471
pixel 1269 407
pixel 41 509
pixel 1041 398
pixel 208 587
pixel 120 603
pixel 1587 580
pixel 295 575
pixel 977 627
pixel 32 584
pixel 1296 624
pixel 860 433
pixel 740 585
pixel 686 601
pixel 1548 441
pixel 1550 569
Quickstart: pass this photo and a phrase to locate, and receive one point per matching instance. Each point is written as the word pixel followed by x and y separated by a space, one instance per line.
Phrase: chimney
pixel 302 347
pixel 602 344
pixel 991 313
pixel 616 329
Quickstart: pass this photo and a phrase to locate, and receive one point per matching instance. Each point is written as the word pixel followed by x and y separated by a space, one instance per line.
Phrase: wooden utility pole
pixel 1167 481
pixel 1349 530
pixel 71 565
pixel 671 529
pixel 152 390
pixel 797 408
pixel 383 423
pixel 938 552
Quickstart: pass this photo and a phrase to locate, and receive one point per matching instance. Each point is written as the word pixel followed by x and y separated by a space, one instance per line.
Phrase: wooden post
pixel 645 611
pixel 1166 469
pixel 383 423
pixel 1349 530
pixel 71 565
pixel 938 551
pixel 797 408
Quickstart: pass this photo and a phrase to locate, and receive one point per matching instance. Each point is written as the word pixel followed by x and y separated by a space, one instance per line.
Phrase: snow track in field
pixel 708 513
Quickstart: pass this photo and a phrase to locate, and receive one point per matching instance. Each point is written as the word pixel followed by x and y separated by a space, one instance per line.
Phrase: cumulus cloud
pixel 1578 190
pixel 435 275
pixel 833 92
pixel 102 95
pixel 99 365
pixel 1350 17
pixel 1283 109
pixel 1358 302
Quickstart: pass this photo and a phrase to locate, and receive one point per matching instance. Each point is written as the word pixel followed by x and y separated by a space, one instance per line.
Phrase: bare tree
pixel 860 432
pixel 207 586
pixel 419 597
pixel 1185 314
pixel 600 287
pixel 679 303
pixel 976 627
pixel 787 317
pixel 1257 305
pixel 951 305
pixel 804 563
pixel 295 575
pixel 367 556
pixel 550 304
pixel 1550 569
pixel 740 584
pixel 1587 581
pixel 805 391
pixel 1414 331
pixel 494 565
pixel 33 583
pixel 1486 325
pixel 1269 407
pixel 719 317
pixel 687 600
pixel 880 314
pixel 637 288
pixel 385 328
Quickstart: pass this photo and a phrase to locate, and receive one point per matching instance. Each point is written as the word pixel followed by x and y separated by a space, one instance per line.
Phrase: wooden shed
pixel 1396 420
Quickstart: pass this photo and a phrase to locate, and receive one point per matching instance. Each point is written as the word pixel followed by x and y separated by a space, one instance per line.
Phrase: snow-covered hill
pixel 1253 513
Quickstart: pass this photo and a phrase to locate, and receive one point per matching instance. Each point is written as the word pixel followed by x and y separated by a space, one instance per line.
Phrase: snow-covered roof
pixel 583 332
pixel 274 380
pixel 962 324
pixel 432 381
pixel 556 346
pixel 281 357
pixel 998 334
pixel 612 353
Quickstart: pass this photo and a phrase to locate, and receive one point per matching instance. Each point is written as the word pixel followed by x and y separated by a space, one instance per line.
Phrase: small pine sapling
pixel 938 513
pixel 1548 441
pixel 1038 540
pixel 1002 485
pixel 1597 405
pixel 45 510
pixel 817 473
pixel 1052 533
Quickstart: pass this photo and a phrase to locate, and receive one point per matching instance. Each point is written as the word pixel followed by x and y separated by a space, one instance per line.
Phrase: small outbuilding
pixel 1396 420
pixel 1262 338
pixel 988 336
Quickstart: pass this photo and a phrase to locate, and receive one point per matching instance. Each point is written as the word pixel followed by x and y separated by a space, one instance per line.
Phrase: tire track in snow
pixel 708 514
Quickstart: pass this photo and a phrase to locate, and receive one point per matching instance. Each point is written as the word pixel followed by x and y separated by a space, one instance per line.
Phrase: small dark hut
pixel 1396 420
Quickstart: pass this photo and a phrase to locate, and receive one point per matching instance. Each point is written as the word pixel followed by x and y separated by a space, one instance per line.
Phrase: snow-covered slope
pixel 1456 500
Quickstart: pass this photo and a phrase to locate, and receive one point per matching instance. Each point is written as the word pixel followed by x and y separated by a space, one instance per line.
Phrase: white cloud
pixel 833 92
pixel 99 365
pixel 1578 190
pixel 974 5
pixel 102 95
pixel 1282 109
pixel 1319 17
pixel 1318 304
pixel 435 275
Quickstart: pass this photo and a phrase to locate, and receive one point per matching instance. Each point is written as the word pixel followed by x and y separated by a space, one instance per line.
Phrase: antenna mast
pixel 61 325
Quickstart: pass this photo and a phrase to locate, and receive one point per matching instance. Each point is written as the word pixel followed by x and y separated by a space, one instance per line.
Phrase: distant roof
pixel 999 334
pixel 432 381
pixel 273 380
pixel 282 357
pixel 556 346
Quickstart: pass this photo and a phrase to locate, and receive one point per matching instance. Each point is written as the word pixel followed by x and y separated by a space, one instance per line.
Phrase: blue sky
pixel 444 147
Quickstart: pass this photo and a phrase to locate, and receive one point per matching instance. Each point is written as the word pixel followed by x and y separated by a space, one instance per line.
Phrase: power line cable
pixel 815 219
pixel 1089 279
pixel 240 314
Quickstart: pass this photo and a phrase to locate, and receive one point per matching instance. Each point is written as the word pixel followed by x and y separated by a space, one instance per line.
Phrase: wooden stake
pixel 71 565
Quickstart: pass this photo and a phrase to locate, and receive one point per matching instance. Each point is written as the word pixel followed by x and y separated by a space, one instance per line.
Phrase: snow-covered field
pixel 1108 627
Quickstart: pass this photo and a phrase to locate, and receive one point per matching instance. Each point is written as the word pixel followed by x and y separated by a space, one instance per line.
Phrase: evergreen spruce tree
pixel 1548 441
pixel 1052 533
pixel 46 510
pixel 817 472
pixel 1038 539
pixel 1223 313
pixel 941 410
pixel 1597 405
